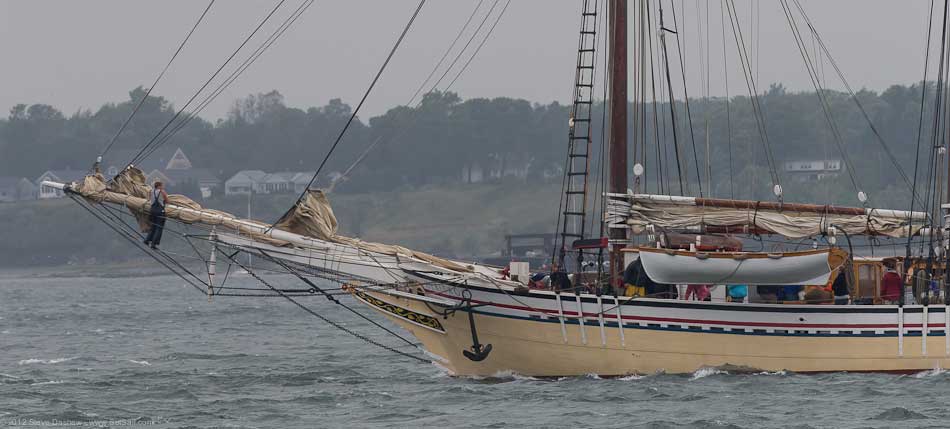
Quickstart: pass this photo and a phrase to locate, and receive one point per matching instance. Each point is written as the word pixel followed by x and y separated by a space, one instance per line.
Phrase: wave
pixel 511 375
pixel 707 372
pixel 899 414
pixel 42 383
pixel 782 372
pixel 631 377
pixel 930 373
pixel 45 361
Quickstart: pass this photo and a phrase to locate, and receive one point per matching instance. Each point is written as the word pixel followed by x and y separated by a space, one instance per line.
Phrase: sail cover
pixel 796 268
pixel 637 211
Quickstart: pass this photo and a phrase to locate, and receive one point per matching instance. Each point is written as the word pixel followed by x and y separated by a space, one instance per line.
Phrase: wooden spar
pixel 776 206
pixel 617 15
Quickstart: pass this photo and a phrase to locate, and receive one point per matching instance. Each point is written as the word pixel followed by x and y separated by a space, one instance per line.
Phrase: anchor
pixel 478 351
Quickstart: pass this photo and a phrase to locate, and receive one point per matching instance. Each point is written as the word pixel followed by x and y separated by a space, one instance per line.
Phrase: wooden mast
pixel 617 15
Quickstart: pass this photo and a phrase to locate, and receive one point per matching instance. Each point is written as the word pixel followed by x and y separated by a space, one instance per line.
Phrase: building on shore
pixel 61 176
pixel 17 189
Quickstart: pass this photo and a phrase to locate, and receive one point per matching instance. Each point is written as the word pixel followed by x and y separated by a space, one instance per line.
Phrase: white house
pixel 243 182
pixel 62 176
pixel 203 178
pixel 302 180
pixel 165 158
pixel 276 183
pixel 813 170
pixel 16 189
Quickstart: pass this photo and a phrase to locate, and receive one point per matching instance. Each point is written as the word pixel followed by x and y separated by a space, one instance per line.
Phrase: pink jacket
pixel 699 292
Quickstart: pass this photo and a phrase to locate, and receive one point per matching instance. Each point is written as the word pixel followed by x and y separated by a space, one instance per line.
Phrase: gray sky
pixel 82 54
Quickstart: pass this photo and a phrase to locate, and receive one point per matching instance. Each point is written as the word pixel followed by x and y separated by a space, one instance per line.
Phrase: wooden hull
pixel 541 333
pixel 539 347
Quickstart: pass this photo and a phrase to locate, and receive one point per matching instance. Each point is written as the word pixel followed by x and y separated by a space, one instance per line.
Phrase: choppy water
pixel 151 351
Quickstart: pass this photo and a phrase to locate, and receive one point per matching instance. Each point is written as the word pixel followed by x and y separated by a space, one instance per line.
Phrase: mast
pixel 617 153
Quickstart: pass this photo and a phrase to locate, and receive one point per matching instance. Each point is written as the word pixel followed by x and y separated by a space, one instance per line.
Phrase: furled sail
pixel 638 211
pixel 312 217
pixel 795 268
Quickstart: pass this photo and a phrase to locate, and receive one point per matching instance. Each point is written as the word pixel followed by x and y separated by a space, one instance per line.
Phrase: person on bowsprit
pixel 156 216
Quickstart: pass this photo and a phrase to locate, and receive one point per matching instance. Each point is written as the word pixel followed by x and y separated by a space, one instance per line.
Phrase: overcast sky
pixel 82 54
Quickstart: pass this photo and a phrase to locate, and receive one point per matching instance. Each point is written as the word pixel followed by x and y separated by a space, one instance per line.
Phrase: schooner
pixel 475 319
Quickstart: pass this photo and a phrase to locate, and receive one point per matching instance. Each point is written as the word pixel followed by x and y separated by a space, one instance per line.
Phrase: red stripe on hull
pixel 694 321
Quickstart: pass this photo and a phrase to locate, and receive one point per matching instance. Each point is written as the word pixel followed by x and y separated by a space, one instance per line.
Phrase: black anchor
pixel 478 352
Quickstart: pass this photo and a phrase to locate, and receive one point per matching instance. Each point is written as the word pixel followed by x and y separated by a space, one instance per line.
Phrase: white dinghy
pixel 792 268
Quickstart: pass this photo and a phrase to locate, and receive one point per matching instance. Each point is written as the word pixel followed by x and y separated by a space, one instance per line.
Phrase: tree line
pixel 448 140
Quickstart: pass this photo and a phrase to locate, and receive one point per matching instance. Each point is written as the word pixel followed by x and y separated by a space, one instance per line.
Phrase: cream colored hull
pixel 538 348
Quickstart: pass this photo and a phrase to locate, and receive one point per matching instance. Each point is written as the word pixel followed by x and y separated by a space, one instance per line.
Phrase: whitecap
pixel 42 383
pixel 706 372
pixel 930 373
pixel 44 361
pixel 592 376
pixel 9 376
pixel 509 374
pixel 782 372
pixel 631 377
pixel 141 362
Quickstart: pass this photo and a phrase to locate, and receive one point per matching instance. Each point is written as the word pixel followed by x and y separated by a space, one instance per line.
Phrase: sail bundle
pixel 307 224
pixel 676 213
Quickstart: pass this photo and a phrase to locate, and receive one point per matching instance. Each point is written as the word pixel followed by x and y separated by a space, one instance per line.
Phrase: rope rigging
pixel 448 50
pixel 235 74
pixel 139 156
pixel 880 139
pixel 333 299
pixel 920 121
pixel 366 94
pixel 689 114
pixel 757 110
pixel 154 84
pixel 671 100
pixel 414 113
pixel 327 320
pixel 822 100
pixel 725 70
pixel 127 231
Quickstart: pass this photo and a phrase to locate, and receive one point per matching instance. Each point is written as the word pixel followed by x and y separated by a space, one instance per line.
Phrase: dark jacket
pixel 840 286
pixel 635 274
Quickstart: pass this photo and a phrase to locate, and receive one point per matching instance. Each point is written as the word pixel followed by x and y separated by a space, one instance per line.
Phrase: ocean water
pixel 120 352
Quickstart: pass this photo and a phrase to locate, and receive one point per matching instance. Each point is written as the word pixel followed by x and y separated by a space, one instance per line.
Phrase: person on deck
pixel 697 292
pixel 638 283
pixel 769 294
pixel 790 293
pixel 840 288
pixel 737 293
pixel 891 283
pixel 156 216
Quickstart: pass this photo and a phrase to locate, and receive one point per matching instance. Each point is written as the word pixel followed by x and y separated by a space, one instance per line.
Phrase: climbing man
pixel 156 216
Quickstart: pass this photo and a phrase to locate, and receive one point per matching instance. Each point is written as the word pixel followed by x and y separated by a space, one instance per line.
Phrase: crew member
pixel 891 283
pixel 156 216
